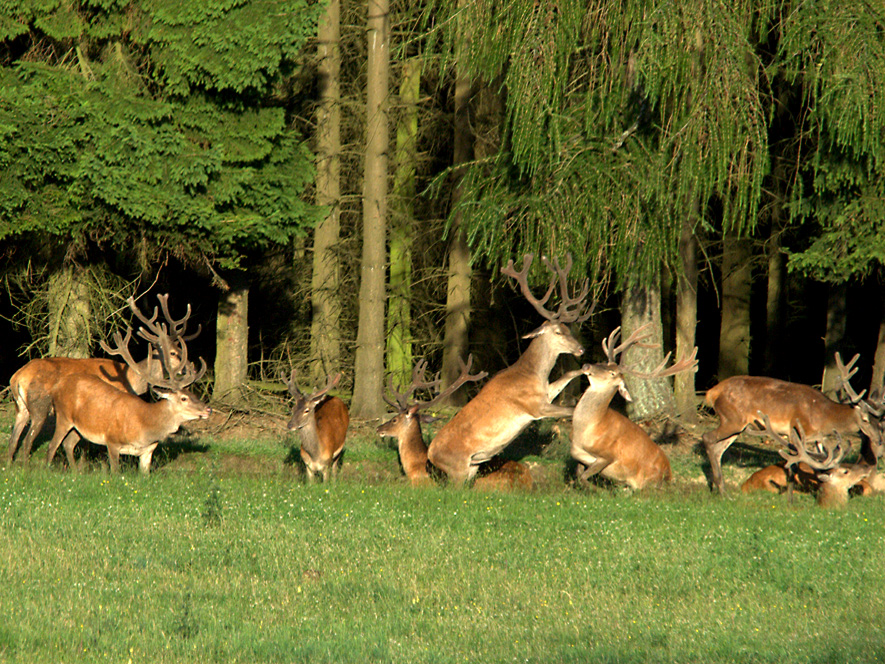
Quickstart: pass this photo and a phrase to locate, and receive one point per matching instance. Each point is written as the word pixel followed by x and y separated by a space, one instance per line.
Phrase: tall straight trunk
pixel 325 329
pixel 399 303
pixel 776 294
pixel 734 330
pixel 686 320
pixel 878 380
pixel 369 361
pixel 232 343
pixel 641 305
pixel 70 312
pixel 456 338
pixel 837 305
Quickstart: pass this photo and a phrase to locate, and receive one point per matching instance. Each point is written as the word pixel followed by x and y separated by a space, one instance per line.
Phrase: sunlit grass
pixel 103 568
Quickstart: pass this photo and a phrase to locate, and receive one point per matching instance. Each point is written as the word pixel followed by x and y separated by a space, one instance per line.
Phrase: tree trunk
pixel 70 312
pixel 641 305
pixel 232 344
pixel 734 330
pixel 774 323
pixel 686 321
pixel 456 340
pixel 399 312
pixel 325 329
pixel 878 379
pixel 837 303
pixel 369 362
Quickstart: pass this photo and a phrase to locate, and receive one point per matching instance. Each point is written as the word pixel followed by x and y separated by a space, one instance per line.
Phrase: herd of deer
pixel 99 399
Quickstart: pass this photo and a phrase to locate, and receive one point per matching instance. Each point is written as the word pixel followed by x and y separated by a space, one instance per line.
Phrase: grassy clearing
pixel 201 563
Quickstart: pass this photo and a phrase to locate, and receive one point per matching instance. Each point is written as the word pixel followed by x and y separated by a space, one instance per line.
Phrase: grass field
pixel 224 555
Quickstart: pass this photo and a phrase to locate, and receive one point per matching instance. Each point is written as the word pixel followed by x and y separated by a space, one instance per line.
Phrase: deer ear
pixel 538 332
pixel 162 392
pixel 622 388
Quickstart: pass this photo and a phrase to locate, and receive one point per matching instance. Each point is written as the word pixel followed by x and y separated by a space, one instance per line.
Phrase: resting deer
pixel 88 407
pixel 776 479
pixel 519 394
pixel 321 421
pixel 605 442
pixel 835 478
pixel 30 386
pixel 405 427
pixel 738 400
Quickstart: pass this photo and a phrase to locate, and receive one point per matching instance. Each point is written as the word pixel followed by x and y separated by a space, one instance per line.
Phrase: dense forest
pixel 335 186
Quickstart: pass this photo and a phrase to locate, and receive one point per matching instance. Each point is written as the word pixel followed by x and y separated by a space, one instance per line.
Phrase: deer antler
pixel 570 308
pixel 402 400
pixel 795 450
pixel 180 375
pixel 612 352
pixel 331 381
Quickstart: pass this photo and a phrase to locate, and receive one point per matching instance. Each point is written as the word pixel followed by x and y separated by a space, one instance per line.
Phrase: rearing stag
pixel 522 392
pixel 88 407
pixel 605 442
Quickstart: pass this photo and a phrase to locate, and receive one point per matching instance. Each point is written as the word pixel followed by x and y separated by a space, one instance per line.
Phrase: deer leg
pixel 22 416
pixel 144 461
pixel 715 446
pixel 114 459
pixel 554 388
pixel 62 427
pixel 70 442
pixel 552 410
pixel 38 411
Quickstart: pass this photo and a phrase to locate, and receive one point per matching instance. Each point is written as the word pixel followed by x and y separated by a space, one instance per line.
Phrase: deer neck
pixel 310 437
pixel 832 496
pixel 537 359
pixel 592 406
pixel 413 451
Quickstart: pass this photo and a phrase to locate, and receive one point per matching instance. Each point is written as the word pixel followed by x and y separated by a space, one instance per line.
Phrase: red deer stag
pixel 605 442
pixel 835 478
pixel 406 428
pixel 321 421
pixel 738 400
pixel 519 394
pixel 87 407
pixel 30 386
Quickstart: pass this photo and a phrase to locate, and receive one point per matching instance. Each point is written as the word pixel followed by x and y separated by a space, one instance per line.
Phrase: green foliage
pixel 133 136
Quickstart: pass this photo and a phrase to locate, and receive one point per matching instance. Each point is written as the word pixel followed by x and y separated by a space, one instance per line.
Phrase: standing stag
pixel 519 394
pixel 88 407
pixel 405 427
pixel 31 385
pixel 605 442
pixel 738 400
pixel 321 421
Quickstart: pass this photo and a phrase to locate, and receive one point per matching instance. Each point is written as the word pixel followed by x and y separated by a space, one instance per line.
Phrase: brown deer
pixel 321 421
pixel 405 427
pixel 835 478
pixel 605 442
pixel 88 407
pixel 738 400
pixel 519 394
pixel 30 386
pixel 776 479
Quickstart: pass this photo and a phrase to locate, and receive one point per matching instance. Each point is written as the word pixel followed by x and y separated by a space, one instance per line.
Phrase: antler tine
pixel 419 382
pixel 689 363
pixel 522 278
pixel 846 372
pixel 122 347
pixel 564 314
pixel 292 385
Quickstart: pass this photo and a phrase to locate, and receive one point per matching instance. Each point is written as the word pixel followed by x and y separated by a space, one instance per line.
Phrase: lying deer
pixel 86 406
pixel 776 479
pixel 321 421
pixel 738 400
pixel 30 386
pixel 835 479
pixel 405 427
pixel 519 394
pixel 605 442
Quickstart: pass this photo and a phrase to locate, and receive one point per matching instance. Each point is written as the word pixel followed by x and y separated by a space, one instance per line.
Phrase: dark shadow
pixel 533 441
pixel 742 455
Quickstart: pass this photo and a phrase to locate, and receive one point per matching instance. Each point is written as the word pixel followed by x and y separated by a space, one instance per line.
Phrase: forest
pixel 336 186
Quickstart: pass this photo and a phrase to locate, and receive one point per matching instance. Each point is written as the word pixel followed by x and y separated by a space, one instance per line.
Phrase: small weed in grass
pixel 212 507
